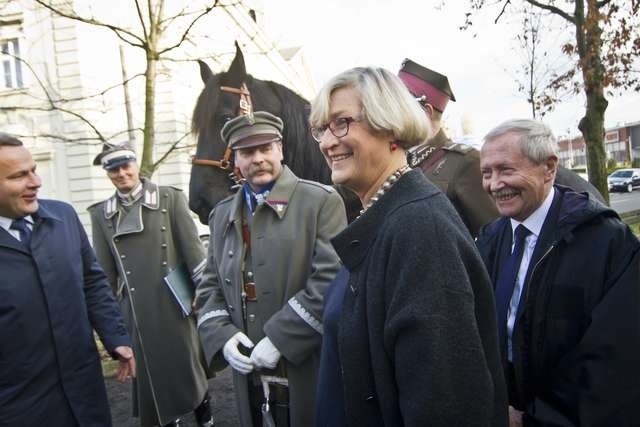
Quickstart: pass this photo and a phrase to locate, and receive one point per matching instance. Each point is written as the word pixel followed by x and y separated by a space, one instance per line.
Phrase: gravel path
pixel 223 403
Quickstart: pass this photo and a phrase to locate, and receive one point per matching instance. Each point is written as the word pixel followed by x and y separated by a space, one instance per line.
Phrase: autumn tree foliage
pixel 603 48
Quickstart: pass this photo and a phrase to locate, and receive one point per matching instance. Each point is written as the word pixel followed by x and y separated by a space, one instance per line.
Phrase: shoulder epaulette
pixel 460 148
pixel 327 188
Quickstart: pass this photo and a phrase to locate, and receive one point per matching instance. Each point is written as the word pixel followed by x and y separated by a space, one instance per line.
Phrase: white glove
pixel 237 360
pixel 265 354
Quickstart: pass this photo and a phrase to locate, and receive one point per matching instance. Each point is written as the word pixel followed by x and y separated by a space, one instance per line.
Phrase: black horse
pixel 225 96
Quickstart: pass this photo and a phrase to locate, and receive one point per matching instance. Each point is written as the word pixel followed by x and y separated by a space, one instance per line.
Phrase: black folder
pixel 182 288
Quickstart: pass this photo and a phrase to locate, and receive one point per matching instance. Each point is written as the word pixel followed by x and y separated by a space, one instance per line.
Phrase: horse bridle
pixel 226 162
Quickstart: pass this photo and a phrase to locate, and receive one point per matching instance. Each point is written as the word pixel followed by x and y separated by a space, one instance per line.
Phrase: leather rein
pixel 245 108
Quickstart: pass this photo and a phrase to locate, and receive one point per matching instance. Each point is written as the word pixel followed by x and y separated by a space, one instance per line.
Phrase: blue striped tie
pixel 25 232
pixel 507 282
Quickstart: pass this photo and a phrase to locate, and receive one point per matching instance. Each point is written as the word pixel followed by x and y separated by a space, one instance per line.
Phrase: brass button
pixel 252 318
pixel 123 256
pixel 249 275
pixel 163 228
pixel 164 263
pixel 163 211
pixel 163 246
pixel 132 289
pixel 128 273
pixel 230 253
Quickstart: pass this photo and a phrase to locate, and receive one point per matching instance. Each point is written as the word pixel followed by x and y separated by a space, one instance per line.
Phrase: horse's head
pixel 224 97
pixel 210 181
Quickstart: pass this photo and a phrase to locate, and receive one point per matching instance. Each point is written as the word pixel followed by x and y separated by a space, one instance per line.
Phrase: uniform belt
pixel 250 291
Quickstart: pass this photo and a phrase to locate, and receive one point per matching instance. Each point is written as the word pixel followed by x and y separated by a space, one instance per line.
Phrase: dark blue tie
pixel 507 282
pixel 25 232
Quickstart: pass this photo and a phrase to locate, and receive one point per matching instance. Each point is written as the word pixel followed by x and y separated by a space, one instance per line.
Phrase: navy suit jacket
pixel 52 295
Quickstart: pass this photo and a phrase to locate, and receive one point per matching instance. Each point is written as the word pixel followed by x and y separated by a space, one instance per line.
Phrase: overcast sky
pixel 338 34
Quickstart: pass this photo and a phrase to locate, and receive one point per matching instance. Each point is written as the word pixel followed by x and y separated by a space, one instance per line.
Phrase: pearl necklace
pixel 386 185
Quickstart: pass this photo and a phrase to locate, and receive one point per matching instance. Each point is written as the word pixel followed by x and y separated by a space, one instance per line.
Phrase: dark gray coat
pixel 293 264
pixel 137 250
pixel 418 339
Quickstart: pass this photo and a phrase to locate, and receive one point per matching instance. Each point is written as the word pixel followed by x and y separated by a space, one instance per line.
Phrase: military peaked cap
pixel 252 130
pixel 422 81
pixel 114 155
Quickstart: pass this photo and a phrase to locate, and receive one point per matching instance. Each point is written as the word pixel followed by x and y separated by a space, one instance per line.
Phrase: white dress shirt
pixel 534 224
pixel 6 224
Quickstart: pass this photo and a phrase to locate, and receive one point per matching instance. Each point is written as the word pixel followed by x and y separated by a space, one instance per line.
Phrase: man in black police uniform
pixel 454 168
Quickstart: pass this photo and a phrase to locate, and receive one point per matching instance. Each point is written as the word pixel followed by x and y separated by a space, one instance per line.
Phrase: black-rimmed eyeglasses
pixel 339 127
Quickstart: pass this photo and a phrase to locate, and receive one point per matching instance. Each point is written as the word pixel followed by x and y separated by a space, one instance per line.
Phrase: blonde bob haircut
pixel 387 105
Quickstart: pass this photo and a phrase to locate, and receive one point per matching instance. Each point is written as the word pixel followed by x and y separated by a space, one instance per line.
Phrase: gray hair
pixel 9 140
pixel 536 140
pixel 387 105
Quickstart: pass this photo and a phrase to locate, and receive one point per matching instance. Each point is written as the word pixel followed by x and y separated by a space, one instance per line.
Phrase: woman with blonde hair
pixel 410 332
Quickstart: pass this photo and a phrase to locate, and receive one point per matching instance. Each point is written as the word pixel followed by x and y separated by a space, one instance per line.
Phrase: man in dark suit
pixel 566 274
pixel 53 295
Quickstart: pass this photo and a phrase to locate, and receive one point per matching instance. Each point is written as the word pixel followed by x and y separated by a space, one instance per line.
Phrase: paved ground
pixel 222 402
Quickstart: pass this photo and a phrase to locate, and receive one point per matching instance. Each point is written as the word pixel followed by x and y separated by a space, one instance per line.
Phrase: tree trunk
pixel 147 166
pixel 589 43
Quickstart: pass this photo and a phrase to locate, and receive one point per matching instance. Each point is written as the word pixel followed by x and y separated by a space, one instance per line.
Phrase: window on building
pixel 11 65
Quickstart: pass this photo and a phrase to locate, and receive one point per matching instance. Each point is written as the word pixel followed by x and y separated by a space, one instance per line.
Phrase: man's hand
pixel 265 355
pixel 127 363
pixel 515 417
pixel 237 360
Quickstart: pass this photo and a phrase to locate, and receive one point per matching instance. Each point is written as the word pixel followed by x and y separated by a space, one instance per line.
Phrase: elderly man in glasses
pixel 270 261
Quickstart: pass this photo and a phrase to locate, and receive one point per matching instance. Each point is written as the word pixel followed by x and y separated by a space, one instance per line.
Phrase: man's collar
pixel 535 221
pixel 132 196
pixel 5 222
pixel 150 199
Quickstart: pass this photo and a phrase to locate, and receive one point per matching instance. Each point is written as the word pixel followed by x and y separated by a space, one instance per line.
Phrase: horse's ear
pixel 237 67
pixel 205 71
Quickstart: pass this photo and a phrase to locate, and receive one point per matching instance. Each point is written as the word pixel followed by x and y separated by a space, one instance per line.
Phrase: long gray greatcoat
pixel 137 250
pixel 293 264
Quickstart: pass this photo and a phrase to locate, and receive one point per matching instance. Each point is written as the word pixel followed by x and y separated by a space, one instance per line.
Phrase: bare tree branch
pixel 186 32
pixel 504 7
pixel 553 9
pixel 141 19
pixel 119 31
pixel 602 3
pixel 172 148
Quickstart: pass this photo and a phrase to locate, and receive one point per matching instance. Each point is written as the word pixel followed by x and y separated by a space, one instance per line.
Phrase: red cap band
pixel 419 87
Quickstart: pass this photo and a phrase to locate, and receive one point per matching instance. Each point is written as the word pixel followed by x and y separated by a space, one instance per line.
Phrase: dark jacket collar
pixel 353 243
pixel 569 211
pixel 43 214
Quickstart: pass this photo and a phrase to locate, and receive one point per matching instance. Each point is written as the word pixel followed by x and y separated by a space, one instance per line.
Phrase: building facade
pixel 621 143
pixel 62 83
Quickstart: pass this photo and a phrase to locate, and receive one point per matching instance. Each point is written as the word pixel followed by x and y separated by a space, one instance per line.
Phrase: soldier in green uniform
pixel 454 168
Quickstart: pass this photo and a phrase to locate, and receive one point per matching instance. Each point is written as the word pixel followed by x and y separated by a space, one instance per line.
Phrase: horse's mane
pixel 301 151
pixel 205 109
